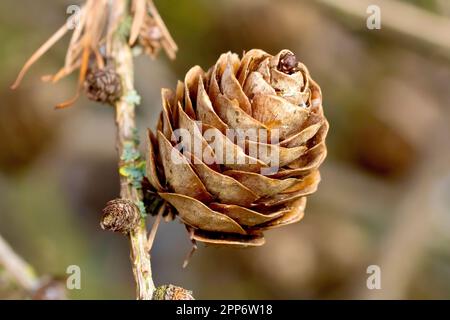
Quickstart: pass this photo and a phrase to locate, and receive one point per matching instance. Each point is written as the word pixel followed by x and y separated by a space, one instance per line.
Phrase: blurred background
pixel 384 196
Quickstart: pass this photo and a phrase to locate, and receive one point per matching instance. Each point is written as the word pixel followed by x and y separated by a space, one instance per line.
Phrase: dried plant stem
pixel 152 234
pixel 126 128
pixel 20 271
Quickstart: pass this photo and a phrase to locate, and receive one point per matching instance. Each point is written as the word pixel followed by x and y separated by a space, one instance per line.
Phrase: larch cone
pixel 237 148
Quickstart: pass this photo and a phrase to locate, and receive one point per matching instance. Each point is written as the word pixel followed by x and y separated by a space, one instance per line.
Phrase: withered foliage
pixel 92 38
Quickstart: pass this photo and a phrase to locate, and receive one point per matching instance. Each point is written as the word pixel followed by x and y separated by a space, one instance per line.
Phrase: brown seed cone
pixel 227 200
pixel 103 85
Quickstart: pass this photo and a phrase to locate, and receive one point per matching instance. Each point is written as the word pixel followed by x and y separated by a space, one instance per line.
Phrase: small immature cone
pixel 150 36
pixel 103 85
pixel 120 215
pixel 171 292
pixel 223 190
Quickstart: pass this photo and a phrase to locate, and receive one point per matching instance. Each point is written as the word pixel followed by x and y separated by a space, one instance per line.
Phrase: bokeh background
pixel 384 196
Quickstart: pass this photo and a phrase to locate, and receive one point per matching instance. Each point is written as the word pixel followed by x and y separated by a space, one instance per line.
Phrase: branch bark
pixel 126 129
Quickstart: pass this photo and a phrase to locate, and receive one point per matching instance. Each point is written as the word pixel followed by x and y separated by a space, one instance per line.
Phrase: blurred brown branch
pixel 21 272
pixel 403 18
pixel 23 276
pixel 405 244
